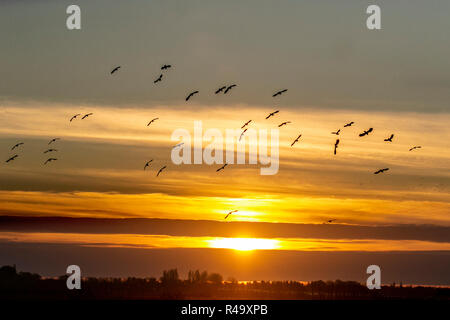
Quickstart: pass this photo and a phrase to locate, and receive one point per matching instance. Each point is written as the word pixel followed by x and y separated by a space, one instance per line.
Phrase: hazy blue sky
pixel 320 50
pixel 395 80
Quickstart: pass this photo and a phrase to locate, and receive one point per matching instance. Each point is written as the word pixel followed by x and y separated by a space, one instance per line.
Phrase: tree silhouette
pixel 199 285
pixel 215 278
pixel 170 277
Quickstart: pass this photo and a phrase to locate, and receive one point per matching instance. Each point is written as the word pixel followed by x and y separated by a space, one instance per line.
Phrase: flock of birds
pixel 48 150
pixel 223 89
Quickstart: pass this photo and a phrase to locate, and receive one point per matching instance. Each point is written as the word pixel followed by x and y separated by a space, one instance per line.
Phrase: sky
pixel 395 80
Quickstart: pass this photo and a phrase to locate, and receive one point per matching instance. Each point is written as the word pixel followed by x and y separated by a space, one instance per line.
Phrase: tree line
pixel 199 285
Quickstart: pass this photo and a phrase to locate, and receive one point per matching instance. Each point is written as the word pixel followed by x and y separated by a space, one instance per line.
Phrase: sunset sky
pixel 96 206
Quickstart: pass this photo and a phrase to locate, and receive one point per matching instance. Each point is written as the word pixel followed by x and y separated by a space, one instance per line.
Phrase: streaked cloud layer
pixel 100 167
pixel 242 244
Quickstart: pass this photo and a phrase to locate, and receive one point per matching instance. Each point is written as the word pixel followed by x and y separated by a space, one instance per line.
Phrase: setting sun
pixel 244 244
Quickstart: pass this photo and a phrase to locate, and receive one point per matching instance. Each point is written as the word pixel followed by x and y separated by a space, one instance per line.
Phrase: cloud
pixel 205 228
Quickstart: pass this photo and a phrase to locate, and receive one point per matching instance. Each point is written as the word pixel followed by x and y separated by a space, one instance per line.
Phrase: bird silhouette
pixel 160 170
pixel 336 132
pixel 75 116
pixel 147 164
pixel 381 171
pixel 17 145
pixel 191 94
pixel 279 92
pixel 390 138
pixel 158 79
pixel 50 150
pixel 222 167
pixel 272 114
pixel 12 158
pixel 366 132
pixel 296 140
pixel 336 145
pixel 50 160
pixel 246 124
pixel 283 123
pixel 348 124
pixel 53 140
pixel 330 221
pixel 229 88
pixel 230 213
pixel 416 147
pixel 86 115
pixel 220 89
pixel 242 134
pixel 166 66
pixel 151 121
pixel 115 69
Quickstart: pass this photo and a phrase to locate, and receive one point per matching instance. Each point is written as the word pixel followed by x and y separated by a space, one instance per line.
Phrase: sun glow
pixel 244 244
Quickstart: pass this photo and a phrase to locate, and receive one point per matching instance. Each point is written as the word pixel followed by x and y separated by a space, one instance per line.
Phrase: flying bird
pixel 191 94
pixel 283 123
pixel 242 134
pixel 75 116
pixel 158 79
pixel 222 167
pixel 272 114
pixel 53 140
pixel 50 160
pixel 17 145
pixel 366 132
pixel 381 171
pixel 390 138
pixel 12 158
pixel 296 140
pixel 147 164
pixel 229 88
pixel 416 147
pixel 160 170
pixel 86 115
pixel 348 124
pixel 246 124
pixel 220 89
pixel 336 132
pixel 330 221
pixel 115 69
pixel 50 150
pixel 336 145
pixel 151 121
pixel 166 66
pixel 230 213
pixel 279 92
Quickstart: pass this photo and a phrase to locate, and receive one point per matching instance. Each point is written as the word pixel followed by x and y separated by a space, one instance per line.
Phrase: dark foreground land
pixel 199 285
